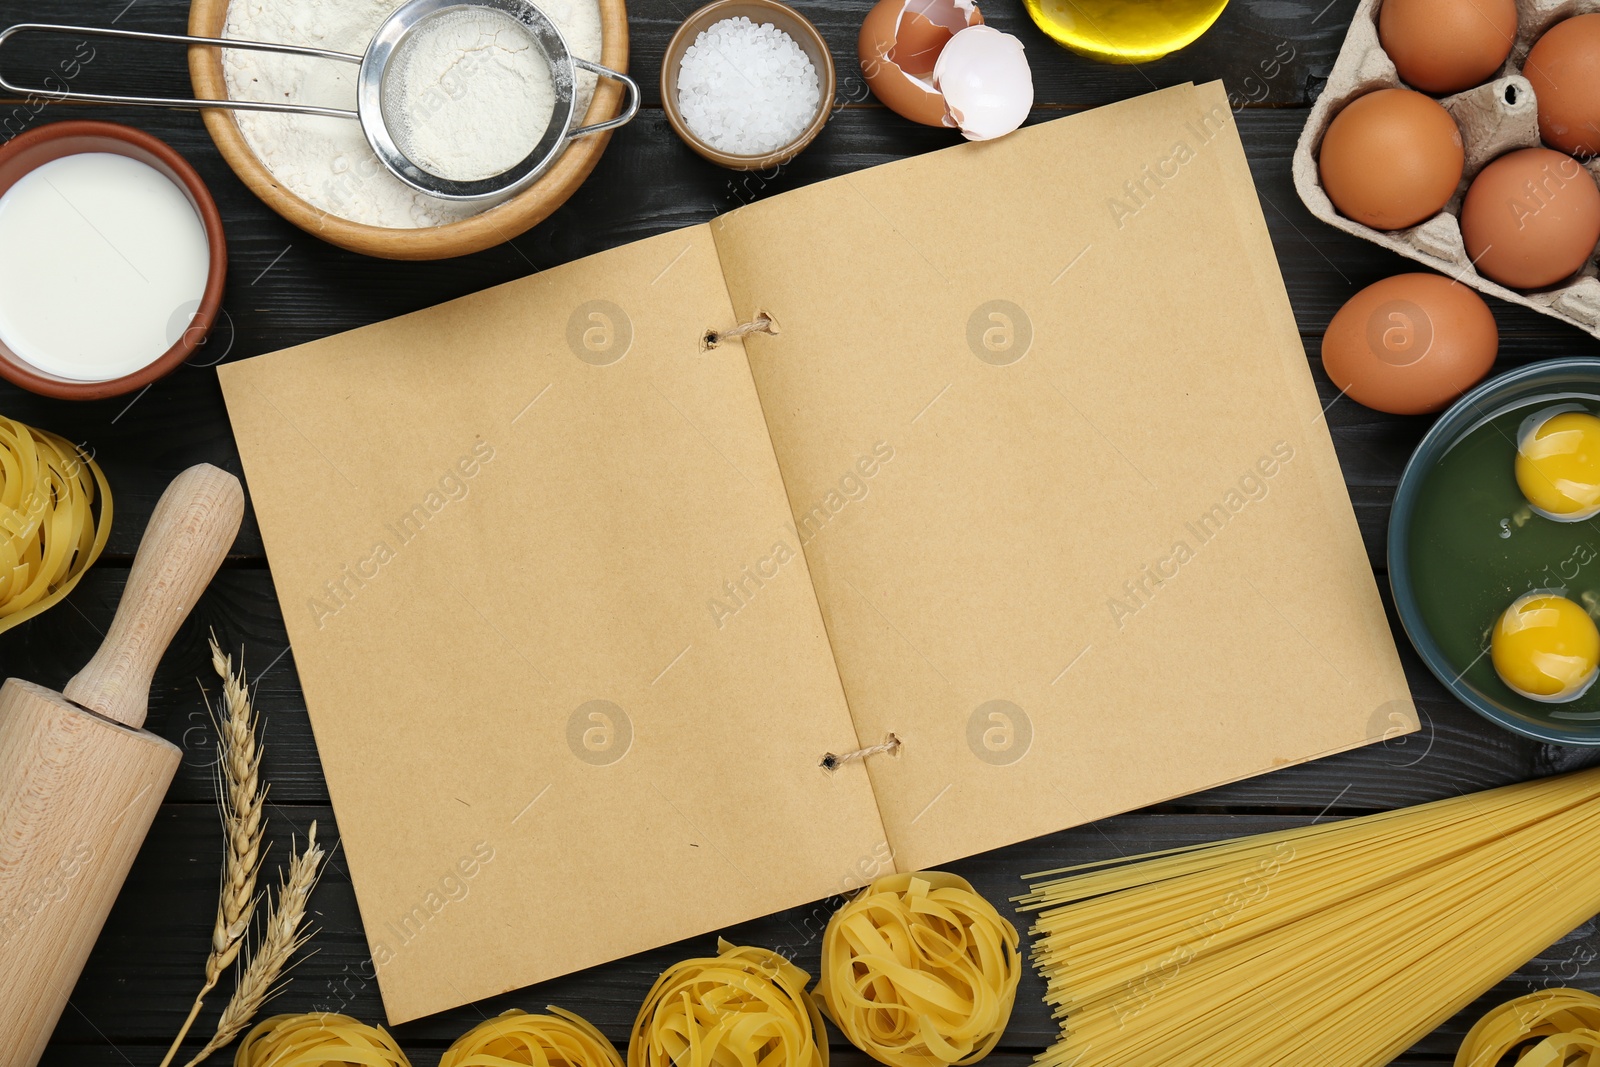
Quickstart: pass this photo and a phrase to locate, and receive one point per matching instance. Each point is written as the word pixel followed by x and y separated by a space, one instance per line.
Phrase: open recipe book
pixel 1032 476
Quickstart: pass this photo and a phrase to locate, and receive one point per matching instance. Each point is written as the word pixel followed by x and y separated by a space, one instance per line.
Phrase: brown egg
pixel 898 47
pixel 1445 46
pixel 1564 70
pixel 1531 218
pixel 1391 159
pixel 1410 344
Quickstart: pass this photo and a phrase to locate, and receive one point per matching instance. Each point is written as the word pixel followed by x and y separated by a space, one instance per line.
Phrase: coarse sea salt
pixel 747 89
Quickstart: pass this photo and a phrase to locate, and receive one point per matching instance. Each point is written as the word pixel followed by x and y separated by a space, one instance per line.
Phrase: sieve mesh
pixel 469 93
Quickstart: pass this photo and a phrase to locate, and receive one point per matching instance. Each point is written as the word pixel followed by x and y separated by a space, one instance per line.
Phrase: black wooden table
pixel 287 287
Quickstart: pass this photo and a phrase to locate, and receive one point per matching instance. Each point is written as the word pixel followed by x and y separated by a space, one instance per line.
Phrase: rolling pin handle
pixel 190 532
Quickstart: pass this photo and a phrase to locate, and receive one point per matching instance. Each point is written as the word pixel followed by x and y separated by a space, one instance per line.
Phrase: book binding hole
pixel 761 322
pixel 832 761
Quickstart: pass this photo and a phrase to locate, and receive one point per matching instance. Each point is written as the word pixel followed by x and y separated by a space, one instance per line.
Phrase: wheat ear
pixel 244 797
pixel 241 796
pixel 282 938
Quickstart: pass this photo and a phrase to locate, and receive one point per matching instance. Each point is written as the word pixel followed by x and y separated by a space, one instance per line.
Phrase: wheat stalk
pixel 282 938
pixel 241 796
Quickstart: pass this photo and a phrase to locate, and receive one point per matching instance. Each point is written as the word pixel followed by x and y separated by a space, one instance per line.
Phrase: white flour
pixel 473 95
pixel 326 161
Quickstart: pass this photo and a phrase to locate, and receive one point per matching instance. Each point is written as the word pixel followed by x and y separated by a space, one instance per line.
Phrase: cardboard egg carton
pixel 1494 118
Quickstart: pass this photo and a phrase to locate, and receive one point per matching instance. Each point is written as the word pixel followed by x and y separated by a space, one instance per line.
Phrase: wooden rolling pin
pixel 80 781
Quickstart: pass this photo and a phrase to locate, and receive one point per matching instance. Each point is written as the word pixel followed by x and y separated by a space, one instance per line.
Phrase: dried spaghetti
pixel 1338 944
pixel 920 971
pixel 1552 1028
pixel 747 1007
pixel 318 1039
pixel 50 527
pixel 517 1039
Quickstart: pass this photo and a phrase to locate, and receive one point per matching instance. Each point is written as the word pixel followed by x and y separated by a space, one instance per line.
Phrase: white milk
pixel 103 261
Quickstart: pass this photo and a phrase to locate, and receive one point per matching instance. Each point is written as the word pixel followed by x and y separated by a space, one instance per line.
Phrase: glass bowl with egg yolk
pixel 1546 647
pixel 1490 510
pixel 1558 462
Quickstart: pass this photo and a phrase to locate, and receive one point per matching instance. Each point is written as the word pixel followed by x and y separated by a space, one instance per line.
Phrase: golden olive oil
pixel 1125 31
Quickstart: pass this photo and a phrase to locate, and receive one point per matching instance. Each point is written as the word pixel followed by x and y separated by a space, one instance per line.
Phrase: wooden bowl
pixel 784 18
pixel 45 144
pixel 485 230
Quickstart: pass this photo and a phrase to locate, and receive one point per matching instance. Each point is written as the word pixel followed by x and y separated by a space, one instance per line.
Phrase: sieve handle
pixel 628 84
pixel 179 102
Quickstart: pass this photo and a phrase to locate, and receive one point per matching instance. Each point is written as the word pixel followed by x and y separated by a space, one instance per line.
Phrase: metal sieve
pixel 375 85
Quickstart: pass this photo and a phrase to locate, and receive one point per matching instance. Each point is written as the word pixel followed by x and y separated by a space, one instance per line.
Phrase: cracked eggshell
pixel 986 82
pixel 900 43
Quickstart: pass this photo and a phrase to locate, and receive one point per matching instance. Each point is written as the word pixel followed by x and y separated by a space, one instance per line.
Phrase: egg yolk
pixel 1546 647
pixel 1558 466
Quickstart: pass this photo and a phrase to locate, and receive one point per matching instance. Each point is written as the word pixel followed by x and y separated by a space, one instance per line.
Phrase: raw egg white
pixel 1558 462
pixel 984 89
pixel 1546 647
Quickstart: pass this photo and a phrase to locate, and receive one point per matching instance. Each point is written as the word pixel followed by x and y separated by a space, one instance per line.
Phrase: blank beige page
pixel 497 529
pixel 1073 515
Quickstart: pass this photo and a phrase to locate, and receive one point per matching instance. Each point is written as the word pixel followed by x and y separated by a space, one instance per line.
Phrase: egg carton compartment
pixel 1494 118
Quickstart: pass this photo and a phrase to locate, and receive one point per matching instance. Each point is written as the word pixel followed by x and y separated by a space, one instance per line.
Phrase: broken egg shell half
pixel 899 46
pixel 986 83
pixel 909 34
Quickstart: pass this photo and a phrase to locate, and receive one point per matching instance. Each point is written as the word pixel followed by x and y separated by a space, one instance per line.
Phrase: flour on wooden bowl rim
pixel 327 162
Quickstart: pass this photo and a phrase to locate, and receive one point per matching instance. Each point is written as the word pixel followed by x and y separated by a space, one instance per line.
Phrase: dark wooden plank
pixel 426 1054
pixel 141 977
pixel 287 287
pixel 1273 54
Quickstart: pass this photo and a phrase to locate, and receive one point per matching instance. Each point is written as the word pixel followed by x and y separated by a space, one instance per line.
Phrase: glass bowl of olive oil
pixel 1125 31
pixel 1464 543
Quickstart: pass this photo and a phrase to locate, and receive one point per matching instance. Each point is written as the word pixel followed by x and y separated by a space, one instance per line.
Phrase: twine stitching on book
pixel 762 323
pixel 832 761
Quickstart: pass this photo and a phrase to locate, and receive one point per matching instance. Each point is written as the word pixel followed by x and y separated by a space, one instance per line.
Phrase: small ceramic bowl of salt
pixel 747 83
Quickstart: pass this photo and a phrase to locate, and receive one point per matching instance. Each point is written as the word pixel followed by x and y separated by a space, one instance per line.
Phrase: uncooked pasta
pixel 318 1039
pixel 1338 944
pixel 517 1039
pixel 1550 1028
pixel 919 970
pixel 745 1007
pixel 55 516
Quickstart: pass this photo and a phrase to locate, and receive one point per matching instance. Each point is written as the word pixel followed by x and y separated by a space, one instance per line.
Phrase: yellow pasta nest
pixel 919 971
pixel 318 1039
pixel 50 527
pixel 745 1008
pixel 1563 1023
pixel 517 1039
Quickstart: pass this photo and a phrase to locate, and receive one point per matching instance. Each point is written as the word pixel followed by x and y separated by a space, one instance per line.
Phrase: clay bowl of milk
pixel 113 260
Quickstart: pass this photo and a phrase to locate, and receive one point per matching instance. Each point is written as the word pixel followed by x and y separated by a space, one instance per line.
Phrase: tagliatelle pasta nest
pixel 318 1039
pixel 1564 1025
pixel 50 527
pixel 517 1039
pixel 919 970
pixel 747 1007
